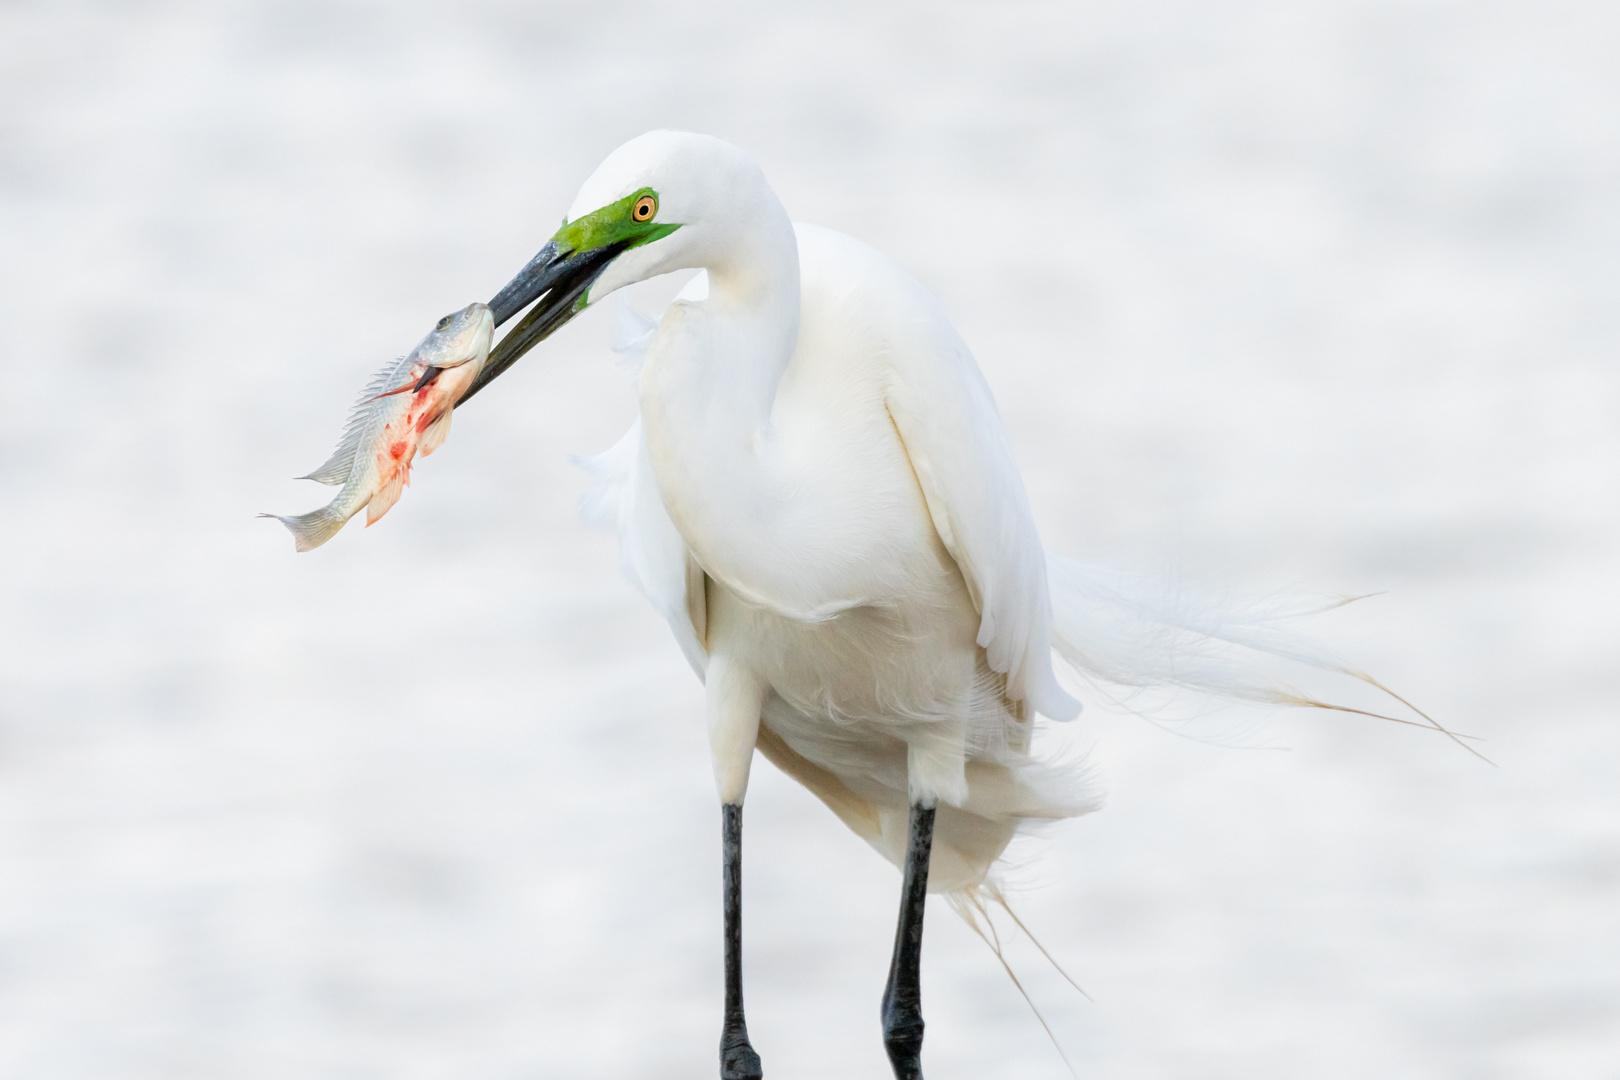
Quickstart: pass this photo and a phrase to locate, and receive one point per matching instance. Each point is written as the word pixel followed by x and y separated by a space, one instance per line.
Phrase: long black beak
pixel 556 279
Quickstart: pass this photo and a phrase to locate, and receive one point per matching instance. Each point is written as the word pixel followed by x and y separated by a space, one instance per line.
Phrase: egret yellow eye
pixel 645 208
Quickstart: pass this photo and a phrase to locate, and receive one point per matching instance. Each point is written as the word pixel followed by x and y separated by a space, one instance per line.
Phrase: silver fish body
pixel 404 411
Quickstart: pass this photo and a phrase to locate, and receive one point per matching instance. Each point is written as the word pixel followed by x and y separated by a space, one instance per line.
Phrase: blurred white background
pixel 1268 292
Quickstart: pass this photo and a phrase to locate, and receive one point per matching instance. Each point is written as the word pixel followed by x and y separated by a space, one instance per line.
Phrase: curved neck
pixel 707 392
pixel 751 317
pixel 715 366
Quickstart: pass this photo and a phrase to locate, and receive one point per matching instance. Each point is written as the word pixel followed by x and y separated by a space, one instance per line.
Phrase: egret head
pixel 664 201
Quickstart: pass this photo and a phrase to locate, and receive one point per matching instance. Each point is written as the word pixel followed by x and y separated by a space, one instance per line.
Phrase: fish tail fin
pixel 313 529
pixel 434 436
pixel 387 495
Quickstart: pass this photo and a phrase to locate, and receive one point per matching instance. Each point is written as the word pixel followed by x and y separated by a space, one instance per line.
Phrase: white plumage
pixel 884 695
pixel 820 499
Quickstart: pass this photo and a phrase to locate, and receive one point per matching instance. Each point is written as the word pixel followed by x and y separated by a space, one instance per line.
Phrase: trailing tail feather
pixel 1135 633
pixel 971 905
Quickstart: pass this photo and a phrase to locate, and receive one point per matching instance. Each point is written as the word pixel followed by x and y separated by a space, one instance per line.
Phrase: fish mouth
pixel 556 282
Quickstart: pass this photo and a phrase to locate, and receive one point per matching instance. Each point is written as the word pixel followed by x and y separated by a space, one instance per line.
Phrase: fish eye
pixel 645 208
pixel 444 322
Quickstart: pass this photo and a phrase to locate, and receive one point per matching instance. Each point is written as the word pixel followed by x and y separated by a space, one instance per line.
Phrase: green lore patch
pixel 612 224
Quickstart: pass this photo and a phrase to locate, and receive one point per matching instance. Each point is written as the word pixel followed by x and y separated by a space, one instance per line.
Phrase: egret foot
pixel 902 998
pixel 737 1058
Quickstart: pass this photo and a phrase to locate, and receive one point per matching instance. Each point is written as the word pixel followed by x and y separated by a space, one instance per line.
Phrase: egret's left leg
pixel 902 998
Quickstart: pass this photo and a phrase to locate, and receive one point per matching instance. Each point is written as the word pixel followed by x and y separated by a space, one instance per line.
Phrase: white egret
pixel 820 499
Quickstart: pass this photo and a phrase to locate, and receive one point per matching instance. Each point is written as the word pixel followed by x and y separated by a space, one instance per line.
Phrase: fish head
pixel 458 337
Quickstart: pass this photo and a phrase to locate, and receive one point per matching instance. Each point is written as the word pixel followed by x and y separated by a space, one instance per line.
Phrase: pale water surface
pixel 1268 292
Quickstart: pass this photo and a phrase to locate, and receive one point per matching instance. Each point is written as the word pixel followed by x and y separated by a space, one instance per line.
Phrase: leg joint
pixel 903 1033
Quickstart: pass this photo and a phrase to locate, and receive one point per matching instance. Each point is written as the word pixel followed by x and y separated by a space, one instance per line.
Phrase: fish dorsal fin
pixel 340 465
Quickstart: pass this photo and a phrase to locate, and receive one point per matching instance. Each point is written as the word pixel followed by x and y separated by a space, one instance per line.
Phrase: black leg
pixel 737 1058
pixel 902 998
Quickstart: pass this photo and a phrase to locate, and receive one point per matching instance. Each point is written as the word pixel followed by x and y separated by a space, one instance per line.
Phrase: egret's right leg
pixel 737 1058
pixel 732 699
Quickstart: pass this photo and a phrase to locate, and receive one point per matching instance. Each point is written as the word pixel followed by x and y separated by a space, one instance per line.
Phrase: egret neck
pixel 708 393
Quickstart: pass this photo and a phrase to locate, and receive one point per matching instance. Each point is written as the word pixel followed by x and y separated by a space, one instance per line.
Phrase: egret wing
pixel 947 420
pixel 652 554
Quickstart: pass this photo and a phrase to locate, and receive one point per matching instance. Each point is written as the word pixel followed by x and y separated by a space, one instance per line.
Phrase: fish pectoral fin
pixel 387 495
pixel 428 376
pixel 436 433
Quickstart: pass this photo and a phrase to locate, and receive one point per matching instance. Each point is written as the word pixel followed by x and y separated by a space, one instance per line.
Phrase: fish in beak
pixel 405 411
